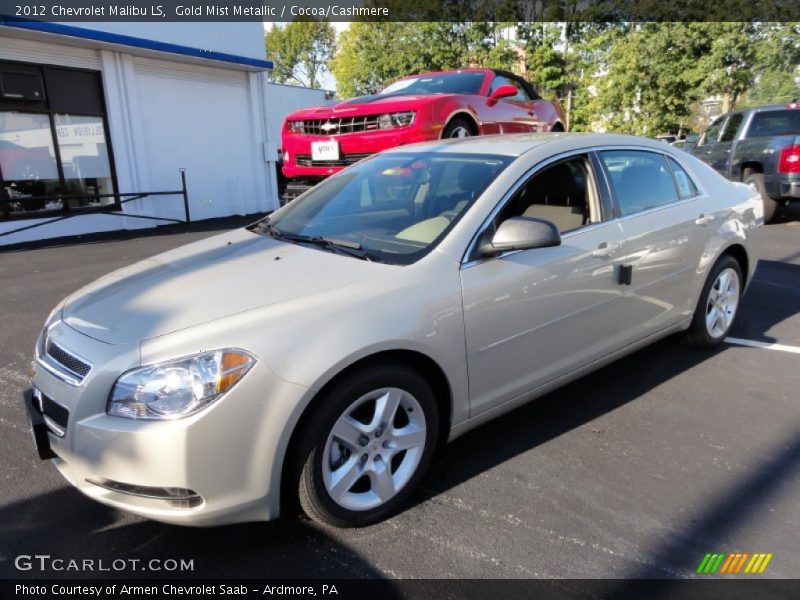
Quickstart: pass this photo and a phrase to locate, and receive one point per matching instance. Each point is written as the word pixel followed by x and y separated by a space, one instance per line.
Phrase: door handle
pixel 605 249
pixel 704 220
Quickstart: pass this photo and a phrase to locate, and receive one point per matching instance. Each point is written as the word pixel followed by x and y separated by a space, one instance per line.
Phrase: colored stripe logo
pixel 734 563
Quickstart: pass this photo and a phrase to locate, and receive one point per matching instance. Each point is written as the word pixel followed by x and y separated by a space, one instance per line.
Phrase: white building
pixel 88 110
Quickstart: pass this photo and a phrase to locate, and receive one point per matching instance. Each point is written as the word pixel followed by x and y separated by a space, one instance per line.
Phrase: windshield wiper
pixel 342 246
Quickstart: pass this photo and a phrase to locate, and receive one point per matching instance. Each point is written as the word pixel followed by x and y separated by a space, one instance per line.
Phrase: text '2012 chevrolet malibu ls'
pixel 316 358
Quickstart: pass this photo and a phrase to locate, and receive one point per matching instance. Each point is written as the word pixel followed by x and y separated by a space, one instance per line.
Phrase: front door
pixel 534 315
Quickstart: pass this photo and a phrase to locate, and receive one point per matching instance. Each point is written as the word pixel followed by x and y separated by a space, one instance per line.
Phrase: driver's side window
pixel 561 193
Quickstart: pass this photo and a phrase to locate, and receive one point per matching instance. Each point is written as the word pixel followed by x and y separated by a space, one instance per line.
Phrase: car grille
pixel 304 160
pixel 71 363
pixel 339 126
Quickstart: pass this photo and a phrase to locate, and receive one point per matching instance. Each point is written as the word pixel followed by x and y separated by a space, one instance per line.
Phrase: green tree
pixel 300 51
pixel 730 60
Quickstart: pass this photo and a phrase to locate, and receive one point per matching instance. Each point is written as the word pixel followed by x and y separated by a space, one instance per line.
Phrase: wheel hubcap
pixel 374 449
pixel 723 300
pixel 460 132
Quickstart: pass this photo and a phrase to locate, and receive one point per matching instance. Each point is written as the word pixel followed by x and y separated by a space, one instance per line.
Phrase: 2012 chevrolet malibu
pixel 316 358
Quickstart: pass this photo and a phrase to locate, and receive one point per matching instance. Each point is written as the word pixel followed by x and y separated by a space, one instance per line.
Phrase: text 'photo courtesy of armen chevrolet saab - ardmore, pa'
pixel 501 301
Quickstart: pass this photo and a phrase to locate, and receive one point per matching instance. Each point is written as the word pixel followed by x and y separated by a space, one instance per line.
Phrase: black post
pixel 185 196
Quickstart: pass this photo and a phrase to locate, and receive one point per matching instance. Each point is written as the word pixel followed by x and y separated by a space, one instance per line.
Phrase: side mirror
pixel 503 91
pixel 521 233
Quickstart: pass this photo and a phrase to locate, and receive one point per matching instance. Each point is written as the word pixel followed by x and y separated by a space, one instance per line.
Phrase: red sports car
pixel 317 142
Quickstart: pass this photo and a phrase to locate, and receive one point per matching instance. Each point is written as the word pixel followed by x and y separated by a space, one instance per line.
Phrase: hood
pixel 207 280
pixel 366 105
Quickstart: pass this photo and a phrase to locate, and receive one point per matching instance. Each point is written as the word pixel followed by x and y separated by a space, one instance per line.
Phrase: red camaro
pixel 317 142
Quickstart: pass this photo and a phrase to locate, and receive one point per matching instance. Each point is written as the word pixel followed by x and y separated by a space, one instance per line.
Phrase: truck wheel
pixel 756 181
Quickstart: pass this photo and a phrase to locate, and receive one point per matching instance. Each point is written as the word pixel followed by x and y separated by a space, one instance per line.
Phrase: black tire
pixel 456 126
pixel 313 495
pixel 557 128
pixel 770 206
pixel 698 334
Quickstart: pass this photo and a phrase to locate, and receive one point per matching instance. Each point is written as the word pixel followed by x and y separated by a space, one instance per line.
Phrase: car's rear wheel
pixel 718 304
pixel 458 128
pixel 756 181
pixel 368 447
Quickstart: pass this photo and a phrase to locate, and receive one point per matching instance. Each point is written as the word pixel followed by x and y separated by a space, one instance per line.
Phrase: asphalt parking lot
pixel 637 470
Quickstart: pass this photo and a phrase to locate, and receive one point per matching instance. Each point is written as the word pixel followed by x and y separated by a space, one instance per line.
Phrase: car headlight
pixel 398 119
pixel 296 126
pixel 178 388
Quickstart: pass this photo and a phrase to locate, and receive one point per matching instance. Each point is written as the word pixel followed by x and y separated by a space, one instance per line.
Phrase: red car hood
pixel 366 105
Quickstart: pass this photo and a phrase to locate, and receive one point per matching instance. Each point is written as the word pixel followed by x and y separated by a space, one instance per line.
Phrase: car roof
pixel 516 145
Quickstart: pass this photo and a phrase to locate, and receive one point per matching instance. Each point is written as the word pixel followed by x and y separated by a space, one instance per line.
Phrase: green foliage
pixel 300 51
pixel 643 78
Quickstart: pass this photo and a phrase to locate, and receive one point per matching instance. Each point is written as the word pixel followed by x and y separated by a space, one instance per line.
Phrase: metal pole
pixel 185 196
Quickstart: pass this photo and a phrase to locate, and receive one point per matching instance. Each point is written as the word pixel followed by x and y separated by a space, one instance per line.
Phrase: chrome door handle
pixel 703 220
pixel 605 249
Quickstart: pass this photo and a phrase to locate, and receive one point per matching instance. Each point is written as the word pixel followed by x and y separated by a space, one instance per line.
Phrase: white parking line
pixel 766 345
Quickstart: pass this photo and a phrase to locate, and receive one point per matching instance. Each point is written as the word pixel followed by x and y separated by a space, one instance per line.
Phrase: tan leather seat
pixel 563 217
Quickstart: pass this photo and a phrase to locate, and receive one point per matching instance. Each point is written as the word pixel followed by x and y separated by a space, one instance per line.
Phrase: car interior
pixel 560 194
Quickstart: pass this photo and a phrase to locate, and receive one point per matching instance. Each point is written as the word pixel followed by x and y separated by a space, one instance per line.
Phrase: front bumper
pixel 352 146
pixel 224 461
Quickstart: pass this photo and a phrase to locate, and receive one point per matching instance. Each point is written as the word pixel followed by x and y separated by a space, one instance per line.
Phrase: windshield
pixel 445 83
pixel 392 208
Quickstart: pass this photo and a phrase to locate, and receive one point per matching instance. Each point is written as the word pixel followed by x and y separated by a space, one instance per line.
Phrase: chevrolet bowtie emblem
pixel 327 127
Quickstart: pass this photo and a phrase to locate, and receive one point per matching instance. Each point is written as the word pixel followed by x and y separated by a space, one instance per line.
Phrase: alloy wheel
pixel 374 449
pixel 723 300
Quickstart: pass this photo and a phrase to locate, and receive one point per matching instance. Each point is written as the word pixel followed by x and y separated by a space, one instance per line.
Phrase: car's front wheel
pixel 457 128
pixel 719 302
pixel 368 446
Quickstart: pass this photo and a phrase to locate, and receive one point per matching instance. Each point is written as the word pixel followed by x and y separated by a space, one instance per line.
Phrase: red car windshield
pixel 445 83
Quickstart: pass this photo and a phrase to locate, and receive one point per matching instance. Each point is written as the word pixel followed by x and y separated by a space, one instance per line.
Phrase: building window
pixel 55 154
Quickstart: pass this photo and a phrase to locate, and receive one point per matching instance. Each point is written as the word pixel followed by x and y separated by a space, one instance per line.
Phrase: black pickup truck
pixel 759 146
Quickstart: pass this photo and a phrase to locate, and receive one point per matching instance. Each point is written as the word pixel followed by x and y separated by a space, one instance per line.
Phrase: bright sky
pixel 328 81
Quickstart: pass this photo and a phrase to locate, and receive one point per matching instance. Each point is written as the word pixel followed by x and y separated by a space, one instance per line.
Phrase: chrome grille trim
pixel 64 364
pixel 340 125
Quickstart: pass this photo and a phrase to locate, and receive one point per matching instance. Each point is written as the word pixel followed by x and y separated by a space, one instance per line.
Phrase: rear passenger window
pixel 641 180
pixel 686 187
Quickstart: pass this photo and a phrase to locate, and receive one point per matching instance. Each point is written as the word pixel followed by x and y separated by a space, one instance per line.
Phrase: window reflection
pixel 27 162
pixel 84 156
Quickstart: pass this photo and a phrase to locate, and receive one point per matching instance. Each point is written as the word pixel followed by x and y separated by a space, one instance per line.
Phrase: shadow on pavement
pixel 66 525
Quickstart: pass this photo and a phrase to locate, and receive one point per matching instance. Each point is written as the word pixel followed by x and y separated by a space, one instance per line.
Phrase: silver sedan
pixel 315 359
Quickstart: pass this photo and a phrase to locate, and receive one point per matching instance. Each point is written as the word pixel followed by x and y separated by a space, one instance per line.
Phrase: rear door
pixel 655 200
